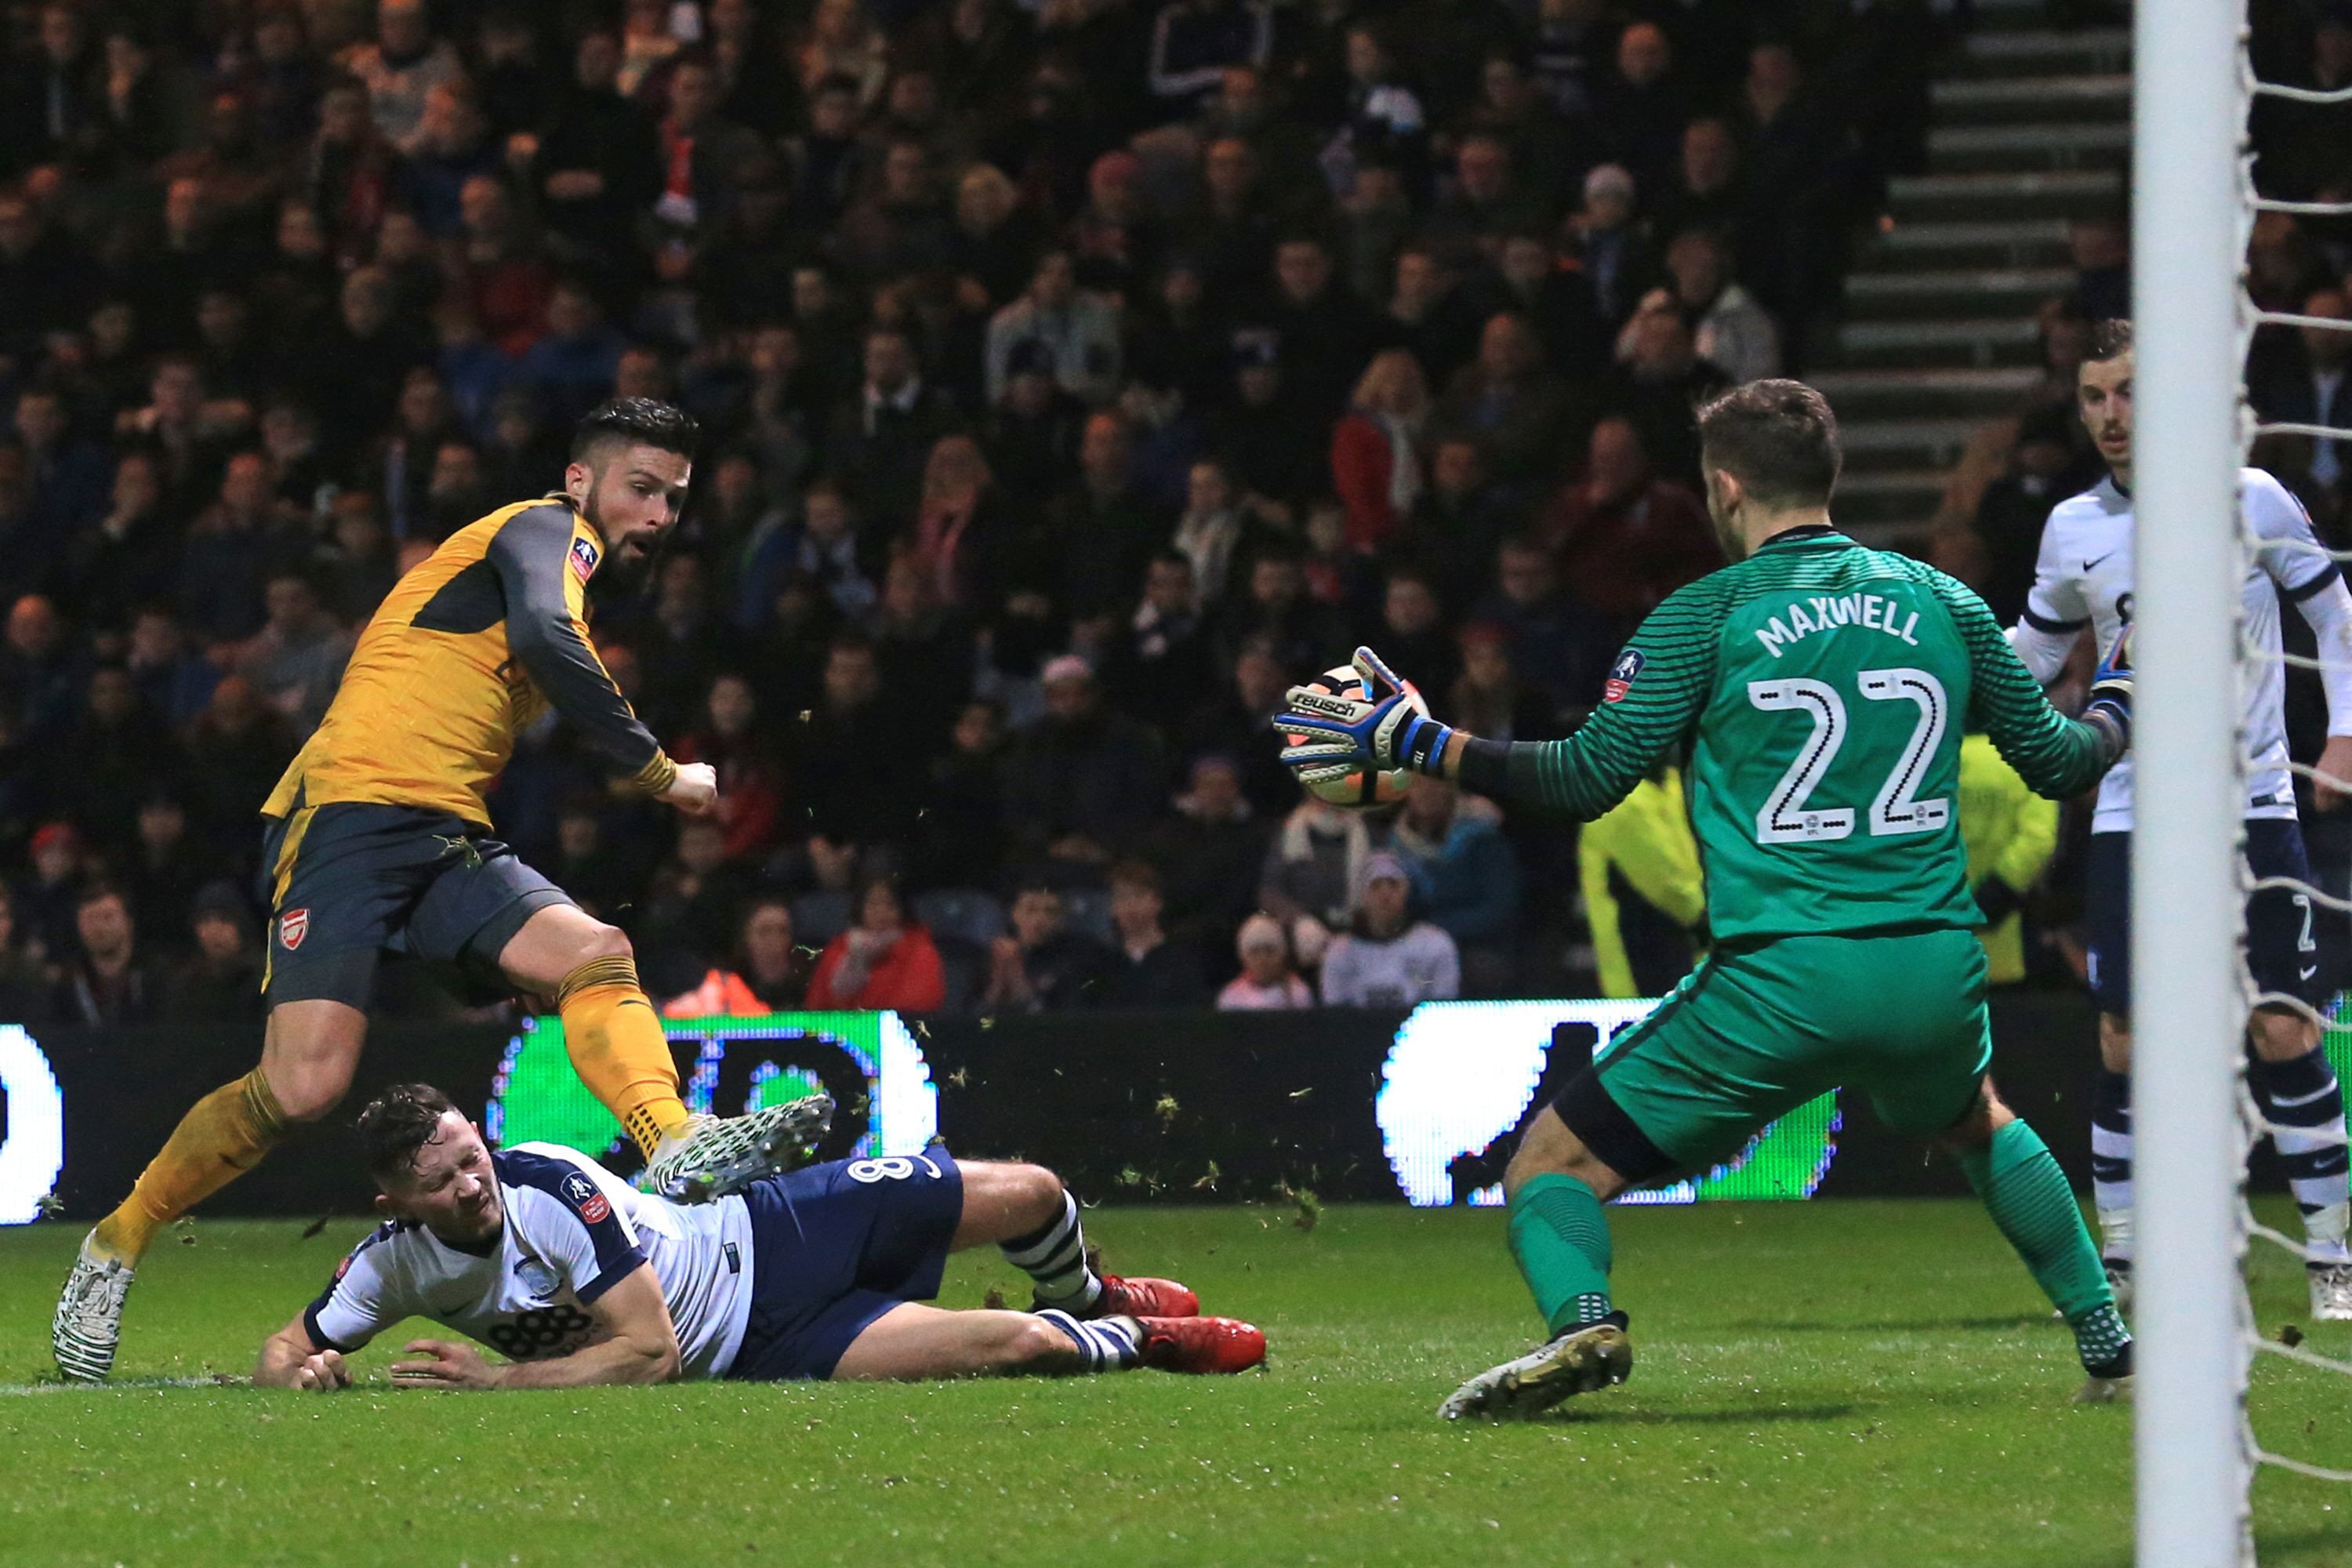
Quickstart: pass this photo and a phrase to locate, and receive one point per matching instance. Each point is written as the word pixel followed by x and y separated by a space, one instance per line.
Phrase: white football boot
pixel 88 1326
pixel 1593 1356
pixel 709 1158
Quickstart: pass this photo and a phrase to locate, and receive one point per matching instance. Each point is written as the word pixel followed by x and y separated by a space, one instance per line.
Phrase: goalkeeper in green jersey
pixel 1823 690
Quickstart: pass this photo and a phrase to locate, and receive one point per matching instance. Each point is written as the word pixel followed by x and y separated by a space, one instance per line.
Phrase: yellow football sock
pixel 223 1136
pixel 618 1048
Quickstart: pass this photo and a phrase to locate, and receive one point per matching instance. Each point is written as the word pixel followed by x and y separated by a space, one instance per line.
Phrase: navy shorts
pixel 2290 941
pixel 835 1245
pixel 350 881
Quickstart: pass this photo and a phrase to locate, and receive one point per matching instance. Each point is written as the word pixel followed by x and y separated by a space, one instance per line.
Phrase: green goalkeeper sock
pixel 1561 1242
pixel 2028 1197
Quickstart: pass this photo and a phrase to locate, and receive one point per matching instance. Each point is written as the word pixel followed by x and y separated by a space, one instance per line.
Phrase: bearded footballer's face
pixel 2103 391
pixel 449 1187
pixel 631 495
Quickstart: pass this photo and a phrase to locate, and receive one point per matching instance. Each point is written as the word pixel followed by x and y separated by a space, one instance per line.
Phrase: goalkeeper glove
pixel 2111 690
pixel 1382 731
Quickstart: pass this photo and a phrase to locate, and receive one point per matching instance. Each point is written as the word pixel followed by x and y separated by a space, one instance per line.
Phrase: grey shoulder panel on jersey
pixel 530 552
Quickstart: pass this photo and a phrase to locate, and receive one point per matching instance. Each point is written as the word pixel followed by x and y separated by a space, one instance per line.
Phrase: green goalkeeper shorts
pixel 1754 1032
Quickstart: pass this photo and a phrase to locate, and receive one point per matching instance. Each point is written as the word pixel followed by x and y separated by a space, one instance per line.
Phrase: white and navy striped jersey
pixel 2083 577
pixel 573 1230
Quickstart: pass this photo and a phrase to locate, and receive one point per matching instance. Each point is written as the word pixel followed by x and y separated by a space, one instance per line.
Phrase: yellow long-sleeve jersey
pixel 1646 839
pixel 2010 832
pixel 477 641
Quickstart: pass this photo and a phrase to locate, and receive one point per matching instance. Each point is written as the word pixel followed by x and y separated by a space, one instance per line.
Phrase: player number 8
pixel 893 1168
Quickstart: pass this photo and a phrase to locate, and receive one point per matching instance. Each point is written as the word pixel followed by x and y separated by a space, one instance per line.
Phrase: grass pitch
pixel 1832 1383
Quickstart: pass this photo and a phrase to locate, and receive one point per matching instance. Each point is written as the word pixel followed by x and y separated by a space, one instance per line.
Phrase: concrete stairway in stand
pixel 2031 128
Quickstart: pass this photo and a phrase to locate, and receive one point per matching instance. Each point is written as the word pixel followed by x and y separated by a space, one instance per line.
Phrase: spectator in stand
pixel 1209 855
pixel 1644 105
pixel 1728 328
pixel 1428 313
pixel 1147 968
pixel 571 365
pixel 1626 538
pixel 1557 645
pixel 1521 413
pixel 1042 965
pixel 2100 248
pixel 883 960
pixel 401 68
pixel 1413 632
pixel 41 671
pixel 1083 779
pixel 110 760
pixel 174 684
pixel 597 167
pixel 1313 867
pixel 1161 666
pixel 1487 698
pixel 2006 538
pixel 1194 42
pixel 1549 151
pixel 963 530
pixel 2299 145
pixel 1279 614
pixel 1657 384
pixel 848 760
pixel 106 983
pixel 770 975
pixel 1707 191
pixel 881 439
pixel 297 660
pixel 220 981
pixel 1327 333
pixel 128 554
pixel 163 870
pixel 1211 532
pixel 1488 199
pixel 751 784
pixel 26 991
pixel 688 916
pixel 1267 983
pixel 1386 958
pixel 1375 460
pixel 1275 443
pixel 1466 874
pixel 2308 385
pixel 66 477
pixel 1575 41
pixel 602 876
pixel 1078 330
pixel 962 820
pixel 1235 725
pixel 1556 301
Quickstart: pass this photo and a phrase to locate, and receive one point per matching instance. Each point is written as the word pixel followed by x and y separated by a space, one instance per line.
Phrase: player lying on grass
pixel 1823 690
pixel 578 1277
pixel 378 839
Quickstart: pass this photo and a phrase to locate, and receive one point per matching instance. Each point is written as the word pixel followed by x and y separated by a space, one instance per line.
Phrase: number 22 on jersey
pixel 1788 817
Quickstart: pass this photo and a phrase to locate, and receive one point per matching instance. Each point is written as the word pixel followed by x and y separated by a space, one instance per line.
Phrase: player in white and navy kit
pixel 2083 578
pixel 577 1278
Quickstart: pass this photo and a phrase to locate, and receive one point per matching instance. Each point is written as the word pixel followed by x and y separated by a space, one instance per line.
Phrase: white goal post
pixel 2189 231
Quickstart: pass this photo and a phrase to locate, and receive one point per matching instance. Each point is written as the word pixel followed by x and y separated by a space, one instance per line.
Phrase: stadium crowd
pixel 1074 375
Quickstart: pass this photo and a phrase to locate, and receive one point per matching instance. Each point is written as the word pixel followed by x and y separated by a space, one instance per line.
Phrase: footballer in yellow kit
pixel 378 840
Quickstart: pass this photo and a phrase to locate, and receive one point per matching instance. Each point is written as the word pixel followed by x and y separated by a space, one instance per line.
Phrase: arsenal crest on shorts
pixel 292 927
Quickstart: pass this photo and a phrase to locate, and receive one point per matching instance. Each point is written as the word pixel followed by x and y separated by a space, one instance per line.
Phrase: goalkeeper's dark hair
pixel 398 1123
pixel 2110 340
pixel 1778 439
pixel 636 422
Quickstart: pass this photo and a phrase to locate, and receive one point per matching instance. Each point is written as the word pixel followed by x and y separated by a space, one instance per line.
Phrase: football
pixel 1358 790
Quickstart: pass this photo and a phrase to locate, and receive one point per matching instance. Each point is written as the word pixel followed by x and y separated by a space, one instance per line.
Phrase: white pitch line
pixel 131 1383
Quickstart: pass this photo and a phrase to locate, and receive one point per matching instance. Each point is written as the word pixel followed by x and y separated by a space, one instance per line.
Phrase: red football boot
pixel 1144 1298
pixel 1202 1344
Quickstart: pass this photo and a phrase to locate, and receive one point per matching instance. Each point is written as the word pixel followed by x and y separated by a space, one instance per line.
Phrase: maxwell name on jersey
pixel 1829 612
